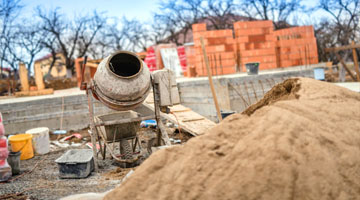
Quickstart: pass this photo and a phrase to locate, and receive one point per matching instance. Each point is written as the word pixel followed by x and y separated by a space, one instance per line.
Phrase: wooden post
pixel 23 72
pixel 38 77
pixel 344 65
pixel 210 79
pixel 93 135
pixel 356 64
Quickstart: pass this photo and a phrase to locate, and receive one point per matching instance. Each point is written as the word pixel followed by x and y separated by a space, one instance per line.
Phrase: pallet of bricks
pixel 255 42
pixel 219 46
pixel 296 46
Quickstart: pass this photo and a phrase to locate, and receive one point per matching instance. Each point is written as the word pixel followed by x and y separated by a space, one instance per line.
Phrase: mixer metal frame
pixel 96 135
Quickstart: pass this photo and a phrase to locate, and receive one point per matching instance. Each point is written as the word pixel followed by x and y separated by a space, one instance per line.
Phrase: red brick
pixel 270 38
pixel 268 65
pixel 229 70
pixel 258 52
pixel 219 33
pixel 229 47
pixel 216 41
pixel 257 38
pixel 252 24
pixel 285 63
pixel 227 62
pixel 198 27
pixel 242 39
pixel 230 40
pixel 260 59
pixel 264 45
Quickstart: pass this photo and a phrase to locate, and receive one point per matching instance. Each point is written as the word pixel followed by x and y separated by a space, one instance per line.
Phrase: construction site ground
pixel 39 177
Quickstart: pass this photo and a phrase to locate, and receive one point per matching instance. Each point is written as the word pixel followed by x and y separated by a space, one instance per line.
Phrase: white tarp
pixel 171 60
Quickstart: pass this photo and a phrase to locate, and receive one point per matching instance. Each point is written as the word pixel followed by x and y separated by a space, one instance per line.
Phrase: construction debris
pixel 299 142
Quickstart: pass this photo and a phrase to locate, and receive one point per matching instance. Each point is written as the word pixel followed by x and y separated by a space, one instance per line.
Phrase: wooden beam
pixel 210 79
pixel 39 77
pixel 356 63
pixel 335 49
pixel 34 93
pixel 23 73
pixel 344 65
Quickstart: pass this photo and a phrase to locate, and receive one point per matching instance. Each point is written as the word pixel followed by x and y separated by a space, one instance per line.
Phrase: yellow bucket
pixel 22 142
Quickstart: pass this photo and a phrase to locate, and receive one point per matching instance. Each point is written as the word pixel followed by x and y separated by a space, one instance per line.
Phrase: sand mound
pixel 299 142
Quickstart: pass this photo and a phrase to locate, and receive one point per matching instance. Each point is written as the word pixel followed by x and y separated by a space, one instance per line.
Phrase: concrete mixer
pixel 122 82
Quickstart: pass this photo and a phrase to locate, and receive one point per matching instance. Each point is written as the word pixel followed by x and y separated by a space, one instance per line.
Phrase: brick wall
pixel 252 41
pixel 219 46
pixel 296 46
pixel 255 42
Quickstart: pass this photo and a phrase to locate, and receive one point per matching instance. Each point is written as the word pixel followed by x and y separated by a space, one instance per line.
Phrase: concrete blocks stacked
pixel 255 42
pixel 296 46
pixel 219 46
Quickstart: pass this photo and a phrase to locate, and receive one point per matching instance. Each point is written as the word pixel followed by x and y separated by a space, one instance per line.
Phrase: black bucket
pixel 252 68
pixel 225 113
pixel 14 162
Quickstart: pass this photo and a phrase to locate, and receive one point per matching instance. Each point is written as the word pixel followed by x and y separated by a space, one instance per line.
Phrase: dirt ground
pixel 44 182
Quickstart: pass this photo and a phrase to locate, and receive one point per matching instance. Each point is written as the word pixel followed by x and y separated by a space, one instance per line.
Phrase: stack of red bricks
pixel 255 42
pixel 219 46
pixel 296 46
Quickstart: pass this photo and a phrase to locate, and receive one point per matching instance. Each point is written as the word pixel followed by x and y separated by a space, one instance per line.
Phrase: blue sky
pixel 139 9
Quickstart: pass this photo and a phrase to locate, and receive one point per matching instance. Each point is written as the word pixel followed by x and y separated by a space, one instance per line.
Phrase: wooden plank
pixel 195 127
pixel 344 65
pixel 356 63
pixel 34 93
pixel 192 119
pixel 346 47
pixel 210 80
pixel 94 65
pixel 23 72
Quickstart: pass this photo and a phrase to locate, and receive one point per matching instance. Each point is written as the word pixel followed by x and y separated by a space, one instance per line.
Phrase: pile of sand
pixel 302 141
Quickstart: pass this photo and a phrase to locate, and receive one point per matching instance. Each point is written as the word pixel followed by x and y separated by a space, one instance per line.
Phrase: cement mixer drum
pixel 122 81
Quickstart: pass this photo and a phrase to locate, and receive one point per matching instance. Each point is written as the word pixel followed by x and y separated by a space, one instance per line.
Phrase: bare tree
pixel 9 10
pixel 345 16
pixel 176 18
pixel 278 11
pixel 73 38
pixel 29 42
pixel 340 28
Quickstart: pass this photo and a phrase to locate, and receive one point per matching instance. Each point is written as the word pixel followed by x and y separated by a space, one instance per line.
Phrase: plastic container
pixel 40 140
pixel 22 143
pixel 2 129
pixel 252 68
pixel 2 162
pixel 225 113
pixel 14 162
pixel 3 142
pixel 3 153
pixel 76 163
pixel 5 172
pixel 319 73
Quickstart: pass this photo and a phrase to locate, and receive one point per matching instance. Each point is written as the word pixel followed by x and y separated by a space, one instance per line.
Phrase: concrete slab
pixel 353 86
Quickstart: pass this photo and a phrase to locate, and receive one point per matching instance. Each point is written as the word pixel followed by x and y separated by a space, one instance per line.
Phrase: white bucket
pixel 40 140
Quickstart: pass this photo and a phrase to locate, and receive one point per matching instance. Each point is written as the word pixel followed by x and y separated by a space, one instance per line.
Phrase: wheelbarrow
pixel 119 127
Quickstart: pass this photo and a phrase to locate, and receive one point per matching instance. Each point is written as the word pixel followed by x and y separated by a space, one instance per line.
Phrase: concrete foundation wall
pixel 235 92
